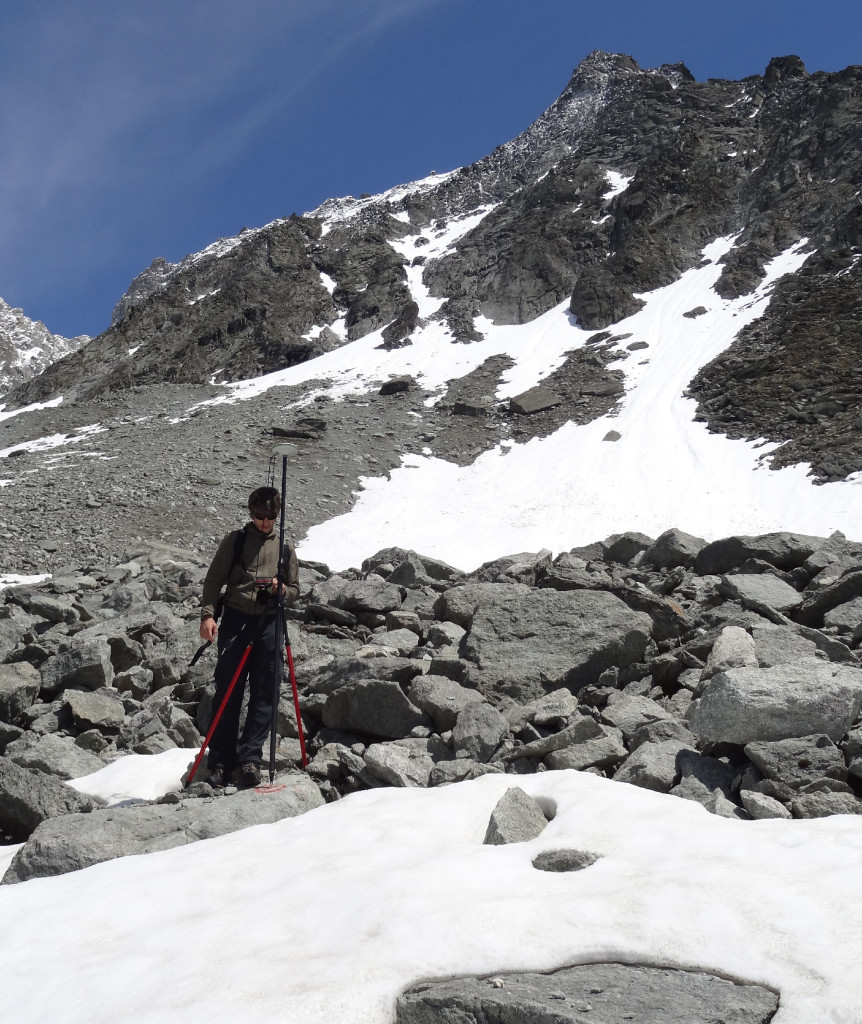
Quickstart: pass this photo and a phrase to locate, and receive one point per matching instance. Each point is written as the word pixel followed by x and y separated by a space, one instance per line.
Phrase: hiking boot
pixel 249 775
pixel 219 777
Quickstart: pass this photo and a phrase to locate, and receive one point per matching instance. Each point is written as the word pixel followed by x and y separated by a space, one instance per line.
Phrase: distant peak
pixel 785 67
pixel 601 63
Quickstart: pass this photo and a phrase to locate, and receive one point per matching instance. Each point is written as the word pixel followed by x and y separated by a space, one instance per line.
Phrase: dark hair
pixel 266 500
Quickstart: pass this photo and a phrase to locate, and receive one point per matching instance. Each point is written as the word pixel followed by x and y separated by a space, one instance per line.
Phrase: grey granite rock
pixel 76 841
pixel 594 993
pixel 377 707
pixel 517 818
pixel 745 704
pixel 28 797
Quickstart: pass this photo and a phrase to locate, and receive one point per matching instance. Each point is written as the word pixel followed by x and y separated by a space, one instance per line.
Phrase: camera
pixel 264 589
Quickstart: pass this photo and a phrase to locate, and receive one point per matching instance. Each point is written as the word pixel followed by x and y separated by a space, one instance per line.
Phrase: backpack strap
pixel 236 559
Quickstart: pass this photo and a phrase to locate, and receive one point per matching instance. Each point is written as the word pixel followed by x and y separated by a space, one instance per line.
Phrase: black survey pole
pixel 278 668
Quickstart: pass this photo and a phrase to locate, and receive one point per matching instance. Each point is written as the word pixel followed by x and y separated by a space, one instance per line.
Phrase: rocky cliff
pixel 27 347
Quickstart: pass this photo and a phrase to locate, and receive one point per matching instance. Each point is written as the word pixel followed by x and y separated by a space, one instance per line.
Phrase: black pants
pixel 236 632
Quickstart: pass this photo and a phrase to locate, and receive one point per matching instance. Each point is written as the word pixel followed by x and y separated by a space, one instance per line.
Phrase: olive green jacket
pixel 258 560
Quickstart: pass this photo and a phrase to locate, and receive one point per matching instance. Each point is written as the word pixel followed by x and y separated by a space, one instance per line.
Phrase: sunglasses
pixel 268 518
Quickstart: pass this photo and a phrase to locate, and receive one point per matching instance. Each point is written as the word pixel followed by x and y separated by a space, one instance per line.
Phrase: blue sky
pixel 131 131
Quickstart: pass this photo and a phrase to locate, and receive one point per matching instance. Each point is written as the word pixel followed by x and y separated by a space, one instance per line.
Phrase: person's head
pixel 264 505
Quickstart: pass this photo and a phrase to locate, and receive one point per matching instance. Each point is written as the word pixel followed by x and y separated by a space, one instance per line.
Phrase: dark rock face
pixel 600 993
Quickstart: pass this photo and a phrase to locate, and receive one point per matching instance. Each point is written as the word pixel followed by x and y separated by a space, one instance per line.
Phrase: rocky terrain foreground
pixel 725 673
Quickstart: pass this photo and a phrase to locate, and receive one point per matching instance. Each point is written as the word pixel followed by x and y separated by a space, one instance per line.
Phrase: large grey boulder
pixel 377 707
pixel 459 604
pixel 653 766
pixel 526 644
pixel 845 617
pixel 761 589
pixel 628 713
pixel 441 698
pixel 59 756
pixel 741 705
pixel 603 751
pixel 779 645
pixel 813 609
pixel 783 550
pixel 673 547
pixel 19 688
pixel 98 709
pixel 399 765
pixel 77 841
pixel 29 797
pixel 517 818
pixel 373 594
pixel 159 726
pixel 86 664
pixel 734 648
pixel 796 762
pixel 479 730
pixel 598 993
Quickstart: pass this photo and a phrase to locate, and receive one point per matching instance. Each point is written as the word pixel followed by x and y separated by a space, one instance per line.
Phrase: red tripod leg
pixel 296 705
pixel 218 714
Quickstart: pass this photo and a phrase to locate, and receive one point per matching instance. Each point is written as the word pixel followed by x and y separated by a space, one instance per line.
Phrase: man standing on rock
pixel 246 566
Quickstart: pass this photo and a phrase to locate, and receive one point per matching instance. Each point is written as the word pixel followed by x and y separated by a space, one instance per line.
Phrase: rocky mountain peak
pixel 27 347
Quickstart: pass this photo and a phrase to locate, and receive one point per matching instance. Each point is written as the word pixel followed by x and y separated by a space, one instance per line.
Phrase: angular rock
pixel 534 400
pixel 824 804
pixel 373 594
pixel 845 617
pixel 673 547
pixel 780 645
pixel 459 604
pixel 628 713
pixel 377 707
pixel 160 725
pixel 623 547
pixel 761 806
pixel 847 588
pixel 604 751
pixel 86 664
pixel 526 644
pixel 29 797
pixel 58 756
pixel 598 993
pixel 441 698
pixel 734 648
pixel 76 841
pixel 763 589
pixel 517 818
pixel 399 765
pixel 400 641
pixel 653 766
pixel 707 781
pixel 19 688
pixel 741 705
pixel 445 773
pixel 797 761
pixel 479 730
pixel 98 709
pixel 783 550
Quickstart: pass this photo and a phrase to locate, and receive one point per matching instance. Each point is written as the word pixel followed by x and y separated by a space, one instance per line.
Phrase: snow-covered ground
pixel 327 917
pixel 575 486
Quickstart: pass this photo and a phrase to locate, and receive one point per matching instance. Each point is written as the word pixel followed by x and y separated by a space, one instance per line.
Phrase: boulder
pixel 29 797
pixel 672 548
pixel 760 805
pixel 59 756
pixel 441 698
pixel 741 705
pixel 603 751
pixel 734 648
pixel 377 707
pixel 598 993
pixel 797 761
pixel 517 818
pixel 85 664
pixel 623 547
pixel 783 550
pixel 653 765
pixel 479 730
pixel 845 617
pixel 526 644
pixel 398 765
pixel 846 589
pixel 371 595
pixel 399 641
pixel 824 804
pixel 762 589
pixel 459 604
pixel 707 781
pixel 779 645
pixel 628 713
pixel 76 841
pixel 19 688
pixel 97 709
